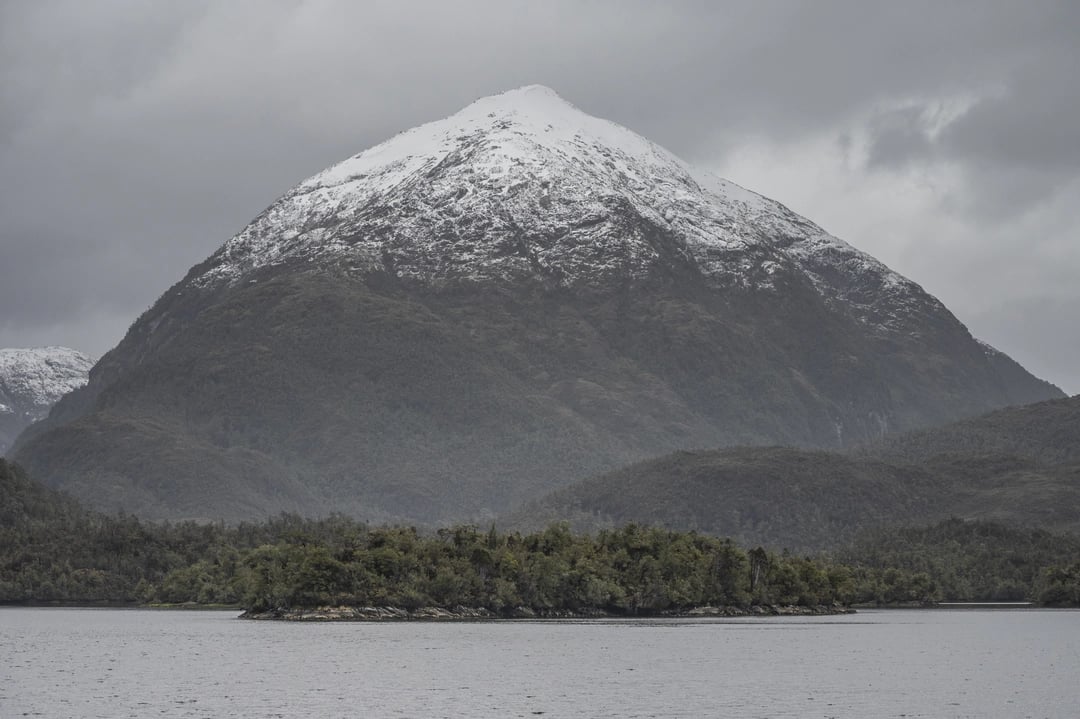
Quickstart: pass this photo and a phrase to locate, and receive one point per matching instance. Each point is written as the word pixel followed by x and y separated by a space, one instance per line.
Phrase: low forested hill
pixel 768 495
pixel 1019 466
pixel 1046 432
pixel 54 550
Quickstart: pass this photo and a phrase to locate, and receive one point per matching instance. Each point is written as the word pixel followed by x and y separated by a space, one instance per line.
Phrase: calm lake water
pixel 146 663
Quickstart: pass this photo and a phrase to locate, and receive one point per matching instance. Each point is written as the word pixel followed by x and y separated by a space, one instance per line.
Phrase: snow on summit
pixel 524 184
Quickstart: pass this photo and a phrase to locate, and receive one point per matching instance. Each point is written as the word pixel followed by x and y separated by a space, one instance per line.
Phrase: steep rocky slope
pixel 493 305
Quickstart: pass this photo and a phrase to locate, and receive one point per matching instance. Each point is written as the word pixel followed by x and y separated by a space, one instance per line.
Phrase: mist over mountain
pixel 494 305
pixel 31 382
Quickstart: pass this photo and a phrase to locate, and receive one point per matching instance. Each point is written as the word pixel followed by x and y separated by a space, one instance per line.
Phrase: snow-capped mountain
pixel 31 381
pixel 525 185
pixel 493 305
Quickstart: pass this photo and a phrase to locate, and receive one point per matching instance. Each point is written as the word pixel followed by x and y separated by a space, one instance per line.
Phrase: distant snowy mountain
pixel 491 306
pixel 31 381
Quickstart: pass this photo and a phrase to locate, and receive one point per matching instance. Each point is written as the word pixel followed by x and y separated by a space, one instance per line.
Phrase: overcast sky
pixel 941 137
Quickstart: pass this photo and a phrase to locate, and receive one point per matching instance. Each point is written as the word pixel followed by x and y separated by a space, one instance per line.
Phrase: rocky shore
pixel 376 614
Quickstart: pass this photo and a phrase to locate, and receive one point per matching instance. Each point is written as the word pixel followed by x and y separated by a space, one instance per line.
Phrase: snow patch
pixel 988 349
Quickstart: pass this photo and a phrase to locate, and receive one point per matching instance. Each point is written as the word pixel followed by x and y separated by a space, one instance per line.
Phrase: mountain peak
pixel 488 306
pixel 524 159
pixel 519 125
pixel 524 95
pixel 32 380
pixel 530 90
pixel 21 357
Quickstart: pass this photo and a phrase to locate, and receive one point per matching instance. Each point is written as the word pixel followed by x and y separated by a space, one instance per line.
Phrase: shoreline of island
pixel 460 613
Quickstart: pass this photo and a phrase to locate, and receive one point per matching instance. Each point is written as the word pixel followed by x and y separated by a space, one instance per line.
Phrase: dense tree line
pixel 56 552
pixel 968 561
pixel 630 570
pixel 51 550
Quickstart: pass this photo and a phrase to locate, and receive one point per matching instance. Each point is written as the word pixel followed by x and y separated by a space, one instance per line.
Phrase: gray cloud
pixel 136 137
pixel 898 138
pixel 1015 143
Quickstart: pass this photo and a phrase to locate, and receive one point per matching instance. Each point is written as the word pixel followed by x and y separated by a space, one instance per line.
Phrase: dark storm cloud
pixel 1032 126
pixel 136 137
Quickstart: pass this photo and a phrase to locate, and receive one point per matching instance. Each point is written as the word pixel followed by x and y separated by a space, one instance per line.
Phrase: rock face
pixel 31 381
pixel 493 305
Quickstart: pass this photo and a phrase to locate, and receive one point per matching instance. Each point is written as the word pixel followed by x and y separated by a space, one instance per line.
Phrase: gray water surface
pixel 147 663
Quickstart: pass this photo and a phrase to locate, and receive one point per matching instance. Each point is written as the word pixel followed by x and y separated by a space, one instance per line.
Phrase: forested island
pixel 54 551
